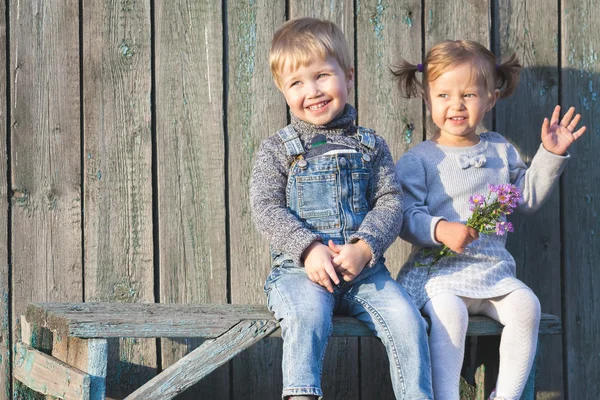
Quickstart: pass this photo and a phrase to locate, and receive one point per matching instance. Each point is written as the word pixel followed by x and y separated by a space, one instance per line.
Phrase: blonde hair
pixel 450 53
pixel 300 41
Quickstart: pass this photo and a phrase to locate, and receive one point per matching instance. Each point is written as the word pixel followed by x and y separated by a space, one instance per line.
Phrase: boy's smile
pixel 316 93
pixel 458 102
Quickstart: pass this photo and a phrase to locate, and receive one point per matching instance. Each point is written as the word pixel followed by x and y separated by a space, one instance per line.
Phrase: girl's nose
pixel 458 104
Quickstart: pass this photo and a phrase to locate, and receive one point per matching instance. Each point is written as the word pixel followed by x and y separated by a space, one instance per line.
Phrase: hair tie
pixel 420 67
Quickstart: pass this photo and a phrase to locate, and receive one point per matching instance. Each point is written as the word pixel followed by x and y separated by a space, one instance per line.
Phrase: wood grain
pixel 580 79
pixel 5 322
pixel 386 33
pixel 534 245
pixel 117 161
pixel 255 110
pixel 46 211
pixel 190 166
pixel 205 359
pixel 47 375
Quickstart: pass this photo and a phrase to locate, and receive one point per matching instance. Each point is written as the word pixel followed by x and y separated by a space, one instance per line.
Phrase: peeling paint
pixel 125 50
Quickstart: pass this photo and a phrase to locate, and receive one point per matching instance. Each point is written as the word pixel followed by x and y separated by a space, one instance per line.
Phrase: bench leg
pixel 89 355
pixel 205 359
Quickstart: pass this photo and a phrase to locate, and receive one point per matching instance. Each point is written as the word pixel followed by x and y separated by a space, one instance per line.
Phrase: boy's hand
pixel 556 137
pixel 318 265
pixel 351 258
pixel 455 235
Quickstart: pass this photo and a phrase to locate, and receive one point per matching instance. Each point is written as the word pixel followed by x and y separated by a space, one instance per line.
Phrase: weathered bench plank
pixel 47 375
pixel 150 320
pixel 202 361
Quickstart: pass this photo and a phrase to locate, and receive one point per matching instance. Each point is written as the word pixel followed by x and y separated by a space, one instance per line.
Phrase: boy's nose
pixel 313 90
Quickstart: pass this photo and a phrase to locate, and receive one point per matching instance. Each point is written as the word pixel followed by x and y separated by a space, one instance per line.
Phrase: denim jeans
pixel 305 310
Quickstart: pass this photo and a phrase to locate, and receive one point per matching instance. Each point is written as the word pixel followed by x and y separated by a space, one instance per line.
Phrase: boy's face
pixel 316 93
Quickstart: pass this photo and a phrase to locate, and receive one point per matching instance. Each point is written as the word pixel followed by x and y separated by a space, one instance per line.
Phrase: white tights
pixel 518 311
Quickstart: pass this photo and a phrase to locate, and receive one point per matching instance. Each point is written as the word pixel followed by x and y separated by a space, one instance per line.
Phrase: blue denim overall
pixel 330 194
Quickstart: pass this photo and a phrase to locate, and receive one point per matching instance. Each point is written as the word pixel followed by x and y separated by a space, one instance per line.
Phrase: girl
pixel 461 82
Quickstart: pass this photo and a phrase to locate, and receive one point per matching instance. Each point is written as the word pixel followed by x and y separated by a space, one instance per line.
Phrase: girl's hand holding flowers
pixel 488 216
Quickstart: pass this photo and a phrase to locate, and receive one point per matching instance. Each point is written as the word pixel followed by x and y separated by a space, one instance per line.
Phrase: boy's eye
pixel 470 95
pixel 296 83
pixel 322 75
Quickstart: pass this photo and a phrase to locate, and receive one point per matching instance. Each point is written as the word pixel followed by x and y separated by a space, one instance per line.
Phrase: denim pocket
pixel 360 188
pixel 318 200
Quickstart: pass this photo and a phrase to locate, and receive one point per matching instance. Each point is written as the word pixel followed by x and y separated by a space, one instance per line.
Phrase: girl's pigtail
pixel 406 76
pixel 507 76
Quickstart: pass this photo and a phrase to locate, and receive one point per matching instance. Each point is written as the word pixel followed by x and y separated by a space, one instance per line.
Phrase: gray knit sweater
pixel 284 230
pixel 437 182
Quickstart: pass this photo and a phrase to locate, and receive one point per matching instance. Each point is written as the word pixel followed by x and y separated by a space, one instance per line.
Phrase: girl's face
pixel 457 104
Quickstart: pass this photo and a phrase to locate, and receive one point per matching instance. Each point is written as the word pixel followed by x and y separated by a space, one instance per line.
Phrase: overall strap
pixel 366 136
pixel 293 145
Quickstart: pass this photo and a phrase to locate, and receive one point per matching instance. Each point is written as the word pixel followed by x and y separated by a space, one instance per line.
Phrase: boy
pixel 325 194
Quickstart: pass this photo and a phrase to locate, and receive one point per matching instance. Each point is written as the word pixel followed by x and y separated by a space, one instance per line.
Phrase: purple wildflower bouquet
pixel 488 216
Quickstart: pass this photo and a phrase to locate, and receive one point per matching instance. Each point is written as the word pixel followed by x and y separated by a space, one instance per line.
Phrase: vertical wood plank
pixel 255 110
pixel 45 152
pixel 340 378
pixel 5 323
pixel 581 200
pixel 530 29
pixel 117 174
pixel 386 32
pixel 456 20
pixel 190 156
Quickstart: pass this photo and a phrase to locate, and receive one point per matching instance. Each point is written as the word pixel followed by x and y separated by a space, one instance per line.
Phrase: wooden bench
pixel 78 333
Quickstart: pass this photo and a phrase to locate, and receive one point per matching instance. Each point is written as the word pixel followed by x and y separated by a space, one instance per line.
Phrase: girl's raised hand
pixel 557 137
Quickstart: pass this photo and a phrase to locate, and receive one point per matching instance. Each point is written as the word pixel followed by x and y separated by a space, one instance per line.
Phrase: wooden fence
pixel 128 130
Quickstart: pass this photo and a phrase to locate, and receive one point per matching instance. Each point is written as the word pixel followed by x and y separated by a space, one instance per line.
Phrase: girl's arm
pixel 270 214
pixel 419 225
pixel 382 223
pixel 536 182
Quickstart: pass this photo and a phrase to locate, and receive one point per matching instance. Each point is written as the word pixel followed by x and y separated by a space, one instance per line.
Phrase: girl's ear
pixel 493 98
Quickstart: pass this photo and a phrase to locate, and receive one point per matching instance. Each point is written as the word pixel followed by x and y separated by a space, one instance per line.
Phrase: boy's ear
pixel 350 79
pixel 493 98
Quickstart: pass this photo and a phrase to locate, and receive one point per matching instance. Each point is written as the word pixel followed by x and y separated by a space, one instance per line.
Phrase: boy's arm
pixel 382 223
pixel 536 182
pixel 268 202
pixel 419 225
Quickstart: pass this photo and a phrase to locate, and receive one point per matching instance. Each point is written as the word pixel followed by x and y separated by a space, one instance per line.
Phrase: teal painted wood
pixel 97 367
pixel 138 320
pixel 580 78
pixel 46 375
pixel 205 359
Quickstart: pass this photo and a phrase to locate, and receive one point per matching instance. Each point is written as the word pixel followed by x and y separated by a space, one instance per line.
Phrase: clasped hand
pixel 323 263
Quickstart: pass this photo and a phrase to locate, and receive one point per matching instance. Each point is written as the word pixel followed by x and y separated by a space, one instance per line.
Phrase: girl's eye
pixel 443 95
